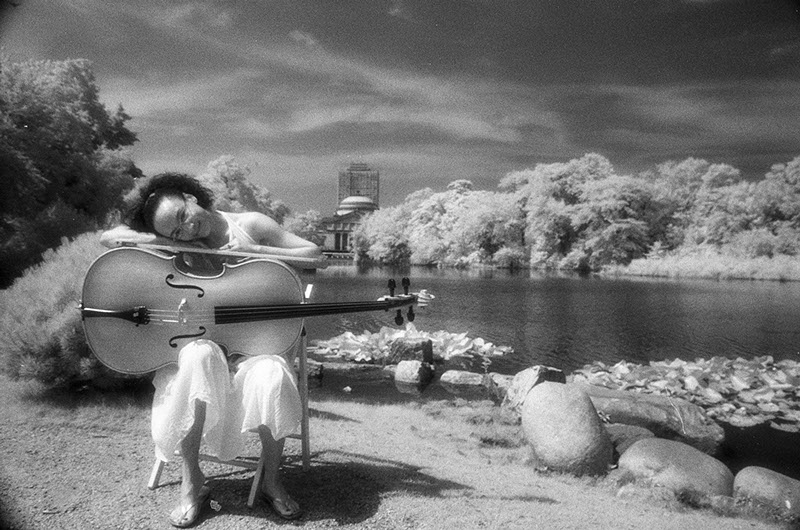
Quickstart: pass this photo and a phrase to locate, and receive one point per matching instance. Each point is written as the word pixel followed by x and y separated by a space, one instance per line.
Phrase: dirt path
pixel 84 463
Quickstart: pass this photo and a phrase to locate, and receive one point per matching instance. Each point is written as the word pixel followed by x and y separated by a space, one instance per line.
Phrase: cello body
pixel 141 307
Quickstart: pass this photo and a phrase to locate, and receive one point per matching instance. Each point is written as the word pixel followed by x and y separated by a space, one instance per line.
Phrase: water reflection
pixel 568 321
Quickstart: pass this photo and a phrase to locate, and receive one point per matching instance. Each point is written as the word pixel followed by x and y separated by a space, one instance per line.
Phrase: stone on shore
pixel 770 487
pixel 412 377
pixel 408 349
pixel 524 381
pixel 676 466
pixel 623 436
pixel 414 372
pixel 464 383
pixel 667 417
pixel 563 428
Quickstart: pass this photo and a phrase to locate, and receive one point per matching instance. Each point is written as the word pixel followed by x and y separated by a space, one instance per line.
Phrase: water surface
pixel 569 321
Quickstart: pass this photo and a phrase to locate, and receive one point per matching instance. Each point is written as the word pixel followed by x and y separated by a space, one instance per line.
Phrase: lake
pixel 569 321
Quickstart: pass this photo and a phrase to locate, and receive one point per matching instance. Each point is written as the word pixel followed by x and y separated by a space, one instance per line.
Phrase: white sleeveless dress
pixel 261 391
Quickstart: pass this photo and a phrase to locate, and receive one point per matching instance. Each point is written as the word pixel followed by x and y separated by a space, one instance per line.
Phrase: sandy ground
pixel 85 464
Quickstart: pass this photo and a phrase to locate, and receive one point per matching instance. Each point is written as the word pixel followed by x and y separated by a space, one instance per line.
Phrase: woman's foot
pixel 276 496
pixel 188 511
pixel 285 506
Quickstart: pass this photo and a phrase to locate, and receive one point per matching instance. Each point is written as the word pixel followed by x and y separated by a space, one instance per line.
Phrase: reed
pixel 708 264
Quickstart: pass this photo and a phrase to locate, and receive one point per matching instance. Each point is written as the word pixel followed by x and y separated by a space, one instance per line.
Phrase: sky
pixel 431 91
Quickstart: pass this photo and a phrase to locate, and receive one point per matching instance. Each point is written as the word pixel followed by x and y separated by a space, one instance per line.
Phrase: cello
pixel 140 307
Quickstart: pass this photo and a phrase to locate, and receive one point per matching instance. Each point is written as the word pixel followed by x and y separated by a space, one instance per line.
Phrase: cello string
pixel 234 314
pixel 300 309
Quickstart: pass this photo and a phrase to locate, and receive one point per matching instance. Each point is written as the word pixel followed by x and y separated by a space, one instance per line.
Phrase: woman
pixel 199 400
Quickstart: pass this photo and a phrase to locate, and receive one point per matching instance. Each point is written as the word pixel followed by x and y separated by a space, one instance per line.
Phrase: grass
pixel 73 458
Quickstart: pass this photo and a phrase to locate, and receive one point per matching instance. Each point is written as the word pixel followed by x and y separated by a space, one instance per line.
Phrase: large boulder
pixel 768 486
pixel 522 383
pixel 676 466
pixel 667 417
pixel 563 428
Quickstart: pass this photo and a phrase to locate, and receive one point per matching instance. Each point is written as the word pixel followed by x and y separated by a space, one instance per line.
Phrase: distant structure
pixel 359 190
pixel 361 181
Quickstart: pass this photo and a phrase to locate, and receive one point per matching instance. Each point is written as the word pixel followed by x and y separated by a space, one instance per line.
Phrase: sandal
pixel 187 514
pixel 282 507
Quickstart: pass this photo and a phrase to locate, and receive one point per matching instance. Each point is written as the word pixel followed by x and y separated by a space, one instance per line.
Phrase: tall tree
pixel 62 166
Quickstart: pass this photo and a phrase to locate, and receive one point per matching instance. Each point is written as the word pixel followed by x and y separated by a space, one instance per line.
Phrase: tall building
pixel 360 181
pixel 359 187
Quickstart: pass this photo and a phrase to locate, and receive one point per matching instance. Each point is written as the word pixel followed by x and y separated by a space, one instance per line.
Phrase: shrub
pixel 510 258
pixel 41 334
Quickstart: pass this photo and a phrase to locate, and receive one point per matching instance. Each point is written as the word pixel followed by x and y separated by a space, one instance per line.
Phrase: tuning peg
pixel 392 286
pixel 406 284
pixel 411 314
pixel 398 319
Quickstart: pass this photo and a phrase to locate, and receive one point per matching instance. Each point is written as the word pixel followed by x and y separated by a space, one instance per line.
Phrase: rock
pixel 768 486
pixel 623 436
pixel 676 466
pixel 499 385
pixel 561 425
pixel 404 349
pixel 524 381
pixel 666 417
pixel 414 372
pixel 357 371
pixel 463 383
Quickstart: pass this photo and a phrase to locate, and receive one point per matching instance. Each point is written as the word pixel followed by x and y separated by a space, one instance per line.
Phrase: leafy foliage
pixel 583 215
pixel 235 193
pixel 306 225
pixel 61 160
pixel 41 335
pixel 457 227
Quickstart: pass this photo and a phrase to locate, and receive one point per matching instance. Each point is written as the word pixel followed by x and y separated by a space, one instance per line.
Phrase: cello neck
pixel 236 314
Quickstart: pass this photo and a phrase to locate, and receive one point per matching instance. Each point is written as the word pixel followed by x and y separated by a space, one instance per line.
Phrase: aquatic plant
pixel 738 391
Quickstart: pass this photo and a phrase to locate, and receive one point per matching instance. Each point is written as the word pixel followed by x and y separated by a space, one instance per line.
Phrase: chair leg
pixel 256 486
pixel 155 474
pixel 303 384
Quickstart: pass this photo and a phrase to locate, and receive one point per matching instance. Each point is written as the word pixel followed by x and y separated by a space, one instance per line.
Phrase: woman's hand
pixel 239 246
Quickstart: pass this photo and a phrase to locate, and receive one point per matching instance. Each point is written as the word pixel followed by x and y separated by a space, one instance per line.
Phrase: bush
pixel 41 334
pixel 510 258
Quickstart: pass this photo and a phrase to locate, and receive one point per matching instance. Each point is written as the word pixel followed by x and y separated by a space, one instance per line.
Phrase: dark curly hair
pixel 141 202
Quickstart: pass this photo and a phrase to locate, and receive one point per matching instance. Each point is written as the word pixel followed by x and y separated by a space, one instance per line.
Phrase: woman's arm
pixel 123 235
pixel 271 238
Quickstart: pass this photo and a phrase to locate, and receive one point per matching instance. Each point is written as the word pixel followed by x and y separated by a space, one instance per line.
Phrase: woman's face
pixel 180 219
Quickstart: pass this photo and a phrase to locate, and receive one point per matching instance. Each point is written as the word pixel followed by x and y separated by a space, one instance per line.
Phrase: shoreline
pixel 698 265
pixel 748 441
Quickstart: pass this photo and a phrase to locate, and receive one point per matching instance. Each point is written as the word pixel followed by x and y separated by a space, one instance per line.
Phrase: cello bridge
pixel 182 319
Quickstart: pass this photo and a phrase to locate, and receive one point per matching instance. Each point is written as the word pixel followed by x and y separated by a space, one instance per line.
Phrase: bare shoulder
pixel 255 221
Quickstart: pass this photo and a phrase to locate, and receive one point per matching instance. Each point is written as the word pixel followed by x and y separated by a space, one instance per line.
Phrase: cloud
pixel 306 39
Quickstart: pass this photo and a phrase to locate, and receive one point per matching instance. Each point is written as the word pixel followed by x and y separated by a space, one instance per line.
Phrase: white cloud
pixel 306 39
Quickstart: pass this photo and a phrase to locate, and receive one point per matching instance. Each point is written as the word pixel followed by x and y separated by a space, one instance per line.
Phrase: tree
pixel 233 191
pixel 552 196
pixel 306 225
pixel 382 236
pixel 778 195
pixel 62 165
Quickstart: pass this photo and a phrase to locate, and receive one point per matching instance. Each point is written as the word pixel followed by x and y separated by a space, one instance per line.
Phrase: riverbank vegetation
pixel 690 218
